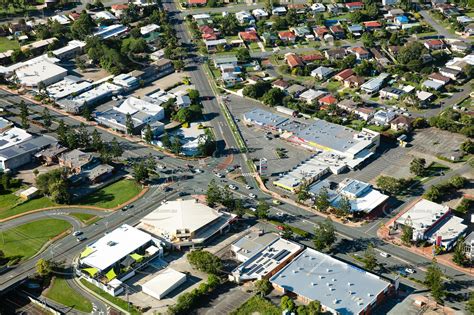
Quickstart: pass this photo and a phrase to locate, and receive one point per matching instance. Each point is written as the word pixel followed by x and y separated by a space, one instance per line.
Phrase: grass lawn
pixel 377 128
pixel 27 239
pixel 85 217
pixel 257 305
pixel 112 195
pixel 115 300
pixel 6 44
pixel 62 293
pixel 9 208
pixel 333 86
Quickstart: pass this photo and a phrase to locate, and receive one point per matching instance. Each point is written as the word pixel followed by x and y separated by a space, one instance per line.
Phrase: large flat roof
pixel 13 136
pixel 252 243
pixel 337 285
pixel 69 85
pixel 449 230
pixel 267 259
pixel 423 214
pixel 165 281
pixel 114 246
pixel 31 74
pixel 133 105
pixel 264 118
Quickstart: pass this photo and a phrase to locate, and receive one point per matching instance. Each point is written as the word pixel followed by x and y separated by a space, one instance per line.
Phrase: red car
pixel 281 227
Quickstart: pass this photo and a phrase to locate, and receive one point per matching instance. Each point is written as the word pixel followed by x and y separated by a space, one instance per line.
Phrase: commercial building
pixel 340 287
pixel 267 261
pixel 186 222
pixel 71 50
pixel 127 81
pixel 17 155
pixel 99 93
pixel 11 136
pixel 469 246
pixel 142 111
pixel 68 86
pixel 116 256
pixel 250 244
pixel 163 283
pixel 39 70
pixel 305 172
pixel 432 222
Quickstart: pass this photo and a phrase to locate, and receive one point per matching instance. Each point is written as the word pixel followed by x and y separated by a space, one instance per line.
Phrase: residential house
pixel 287 36
pixel 459 65
pixel 365 113
pixel 327 100
pixel 119 9
pixel 296 90
pixel 269 38
pixel 183 101
pixel 400 20
pixel 432 85
pixel 401 122
pixel 301 31
pixel 372 25
pixel 244 17
pixel 77 161
pixel 249 36
pixel 391 93
pixel 337 31
pixel 280 84
pixel 374 84
pixel 344 74
pixel 312 57
pixel 461 47
pixel 335 53
pixel 253 79
pixel 438 77
pixel 348 105
pixel 355 29
pixel 354 6
pixel 310 96
pixel 320 31
pixel 212 45
pixel 49 156
pixel 318 8
pixel 230 79
pixel 434 44
pixel 300 8
pixel 279 11
pixel 218 61
pixel 379 57
pixel 396 12
pixel 322 73
pixel 197 3
pixel 293 60
pixel 354 81
pixel 453 74
pixel 335 8
pixel 424 97
pixel 383 117
pixel 360 52
pixel 260 14
pixel 464 19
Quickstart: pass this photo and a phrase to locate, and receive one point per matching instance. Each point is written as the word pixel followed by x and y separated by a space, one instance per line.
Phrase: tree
pixel 287 304
pixel 370 260
pixel 86 113
pixel 165 140
pixel 243 55
pixel 273 97
pixel 417 166
pixel 55 185
pixel 263 287
pixel 83 26
pixel 227 199
pixel 356 16
pixel 47 121
pixel 324 235
pixel 365 68
pixel 43 267
pixel 303 193
pixel 407 234
pixel 96 143
pixel 372 11
pixel 390 185
pixel 141 172
pixel 368 39
pixel 344 206
pixel 470 303
pixel 207 144
pixel 322 200
pixel 148 135
pixel 178 65
pixel 205 261
pixel 410 55
pixel 467 147
pixel 80 63
pixel 314 307
pixel 459 256
pixel 213 195
pixel 83 137
pixel 62 132
pixel 458 182
pixel 262 209
pixel 129 124
pixel 433 193
pixel 25 123
pixel 434 282
pixel 176 145
pixel 184 115
pixel 229 25
pixel 194 96
pixel 115 148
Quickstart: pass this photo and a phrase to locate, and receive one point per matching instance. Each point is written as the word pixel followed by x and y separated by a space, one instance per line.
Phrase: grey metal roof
pixel 265 118
pixel 252 243
pixel 337 285
pixel 31 145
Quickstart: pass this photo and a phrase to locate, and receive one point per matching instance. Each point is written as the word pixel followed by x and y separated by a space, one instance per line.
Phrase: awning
pixel 111 274
pixel 91 271
pixel 87 252
pixel 137 257
pixel 152 250
pixel 127 262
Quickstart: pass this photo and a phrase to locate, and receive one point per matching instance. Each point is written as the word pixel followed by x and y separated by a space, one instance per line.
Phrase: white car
pixel 233 187
pixel 384 254
pixel 77 233
pixel 253 196
pixel 248 187
pixel 219 175
pixel 409 270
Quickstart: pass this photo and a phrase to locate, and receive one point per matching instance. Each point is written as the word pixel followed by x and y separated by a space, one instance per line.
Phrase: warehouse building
pixel 340 287
pixel 163 283
pixel 39 70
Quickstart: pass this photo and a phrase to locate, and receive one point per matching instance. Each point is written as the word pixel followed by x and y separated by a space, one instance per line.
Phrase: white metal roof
pixel 163 283
pixel 423 214
pixel 114 246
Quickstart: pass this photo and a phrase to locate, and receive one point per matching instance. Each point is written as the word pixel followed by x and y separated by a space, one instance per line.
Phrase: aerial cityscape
pixel 242 157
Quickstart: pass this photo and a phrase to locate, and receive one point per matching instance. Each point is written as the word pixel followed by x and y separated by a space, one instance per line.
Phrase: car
pixel 252 209
pixel 248 187
pixel 410 270
pixel 77 233
pixel 276 202
pixel 219 175
pixel 384 254
pixel 183 193
pixel 125 208
pixel 233 187
pixel 80 238
pixel 253 196
pixel 281 227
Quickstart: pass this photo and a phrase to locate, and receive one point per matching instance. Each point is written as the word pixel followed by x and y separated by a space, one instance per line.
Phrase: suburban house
pixel 360 52
pixel 287 36
pixel 353 6
pixel 354 81
pixel 320 31
pixel 249 36
pixel 453 74
pixel 438 77
pixel 365 113
pixel 327 100
pixel 280 84
pixel 372 25
pixel 401 122
pixel 322 73
pixel 335 53
pixel 344 74
pixel 293 60
pixel 337 31
pixel 391 93
pixel 434 44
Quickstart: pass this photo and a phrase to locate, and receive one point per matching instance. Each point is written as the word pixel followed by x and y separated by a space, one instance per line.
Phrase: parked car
pixel 233 187
pixel 276 202
pixel 77 233
pixel 281 227
pixel 384 254
pixel 253 196
pixel 248 187
pixel 80 238
pixel 410 270
pixel 219 175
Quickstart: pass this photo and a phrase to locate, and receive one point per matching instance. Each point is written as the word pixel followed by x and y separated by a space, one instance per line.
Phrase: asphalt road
pixel 440 29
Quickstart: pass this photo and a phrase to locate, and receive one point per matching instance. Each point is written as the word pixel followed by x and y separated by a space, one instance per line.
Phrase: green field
pixel 27 239
pixel 112 195
pixel 85 217
pixel 62 293
pixel 9 207
pixel 6 44
pixel 257 305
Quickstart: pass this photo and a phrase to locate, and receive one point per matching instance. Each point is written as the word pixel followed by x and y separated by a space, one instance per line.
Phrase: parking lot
pixel 436 142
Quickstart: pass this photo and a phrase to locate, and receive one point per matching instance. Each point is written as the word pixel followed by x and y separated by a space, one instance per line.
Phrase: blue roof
pixel 402 19
pixel 355 28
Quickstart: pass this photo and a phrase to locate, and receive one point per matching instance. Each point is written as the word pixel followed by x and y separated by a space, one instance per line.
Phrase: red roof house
pixel 312 57
pixel 344 74
pixel 197 2
pixel 249 36
pixel 293 60
pixel 434 44
pixel 327 100
pixel 352 6
pixel 287 36
pixel 370 25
